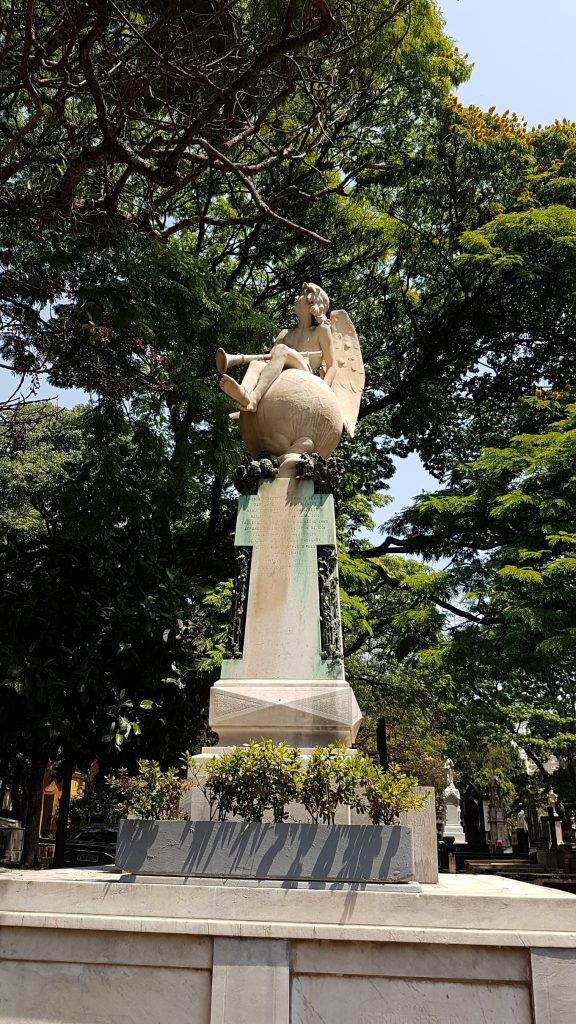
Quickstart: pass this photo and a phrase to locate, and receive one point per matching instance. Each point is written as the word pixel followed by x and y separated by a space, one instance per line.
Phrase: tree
pixel 506 521
pixel 240 129
pixel 414 701
pixel 475 303
pixel 93 594
pixel 190 113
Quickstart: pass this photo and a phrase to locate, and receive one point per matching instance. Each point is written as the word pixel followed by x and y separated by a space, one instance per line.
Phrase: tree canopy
pixel 507 523
pixel 169 174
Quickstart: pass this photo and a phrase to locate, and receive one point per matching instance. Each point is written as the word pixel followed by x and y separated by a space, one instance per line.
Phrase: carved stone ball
pixel 298 413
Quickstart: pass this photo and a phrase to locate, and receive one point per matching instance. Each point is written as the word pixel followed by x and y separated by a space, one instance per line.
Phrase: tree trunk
pixel 63 811
pixel 3 787
pixel 571 766
pixel 382 743
pixel 18 809
pixel 29 857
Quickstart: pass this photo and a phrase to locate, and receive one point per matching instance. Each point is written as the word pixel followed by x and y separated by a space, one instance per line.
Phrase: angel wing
pixel 348 383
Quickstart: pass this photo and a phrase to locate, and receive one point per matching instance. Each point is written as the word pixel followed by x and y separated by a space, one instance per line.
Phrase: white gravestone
pixel 453 826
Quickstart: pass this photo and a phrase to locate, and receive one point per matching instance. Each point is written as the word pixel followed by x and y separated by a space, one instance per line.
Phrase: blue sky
pixel 523 55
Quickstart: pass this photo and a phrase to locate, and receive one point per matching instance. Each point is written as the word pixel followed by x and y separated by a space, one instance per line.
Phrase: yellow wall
pixel 52 794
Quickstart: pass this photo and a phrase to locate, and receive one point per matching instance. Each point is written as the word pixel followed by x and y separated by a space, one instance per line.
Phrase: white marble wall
pixel 89 948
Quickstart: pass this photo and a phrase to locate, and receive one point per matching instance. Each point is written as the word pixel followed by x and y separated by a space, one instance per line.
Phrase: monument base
pixel 91 946
pixel 286 851
pixel 455 832
pixel 302 712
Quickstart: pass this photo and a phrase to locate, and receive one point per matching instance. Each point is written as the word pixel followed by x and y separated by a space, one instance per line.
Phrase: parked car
pixel 93 844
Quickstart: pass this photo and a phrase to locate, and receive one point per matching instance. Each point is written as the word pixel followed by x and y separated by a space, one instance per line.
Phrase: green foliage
pixel 507 522
pixel 387 793
pixel 152 793
pixel 246 118
pixel 335 778
pixel 96 589
pixel 518 504
pixel 250 780
pixel 416 700
pixel 259 777
pixel 506 789
pixel 331 780
pixel 97 804
pixel 478 295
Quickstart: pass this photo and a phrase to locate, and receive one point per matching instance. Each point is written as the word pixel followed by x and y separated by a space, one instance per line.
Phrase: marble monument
pixel 453 826
pixel 283 673
pixel 97 946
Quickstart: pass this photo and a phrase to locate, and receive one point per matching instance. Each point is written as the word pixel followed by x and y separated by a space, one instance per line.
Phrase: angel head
pixel 317 302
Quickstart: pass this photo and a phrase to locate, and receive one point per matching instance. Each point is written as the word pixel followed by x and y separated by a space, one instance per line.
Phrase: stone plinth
pixel 285 851
pixel 283 676
pixel 86 946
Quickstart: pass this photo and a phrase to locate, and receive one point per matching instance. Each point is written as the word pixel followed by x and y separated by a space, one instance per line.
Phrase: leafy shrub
pixel 153 793
pixel 388 793
pixel 334 778
pixel 250 780
pixel 259 777
pixel 331 780
pixel 97 803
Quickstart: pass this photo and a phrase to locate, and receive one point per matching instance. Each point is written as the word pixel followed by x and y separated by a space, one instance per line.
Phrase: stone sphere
pixel 298 413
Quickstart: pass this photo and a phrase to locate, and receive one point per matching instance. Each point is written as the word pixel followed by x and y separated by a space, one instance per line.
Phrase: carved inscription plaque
pixel 286 524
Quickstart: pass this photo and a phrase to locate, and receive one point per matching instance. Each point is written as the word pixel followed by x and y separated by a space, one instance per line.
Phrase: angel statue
pixel 284 408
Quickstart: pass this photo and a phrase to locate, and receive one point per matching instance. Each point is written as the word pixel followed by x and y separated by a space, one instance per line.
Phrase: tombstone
pixel 499 838
pixel 453 826
pixel 533 823
pixel 474 820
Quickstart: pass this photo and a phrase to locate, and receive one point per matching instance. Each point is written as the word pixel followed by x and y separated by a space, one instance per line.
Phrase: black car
pixel 93 844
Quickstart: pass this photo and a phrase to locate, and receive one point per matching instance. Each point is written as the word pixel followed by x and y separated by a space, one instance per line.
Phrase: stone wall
pixel 91 948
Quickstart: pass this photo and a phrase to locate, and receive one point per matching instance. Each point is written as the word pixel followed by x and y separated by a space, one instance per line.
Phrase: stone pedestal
pixel 283 674
pixel 89 946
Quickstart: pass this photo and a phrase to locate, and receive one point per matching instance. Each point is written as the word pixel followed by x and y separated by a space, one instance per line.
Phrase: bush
pixel 265 776
pixel 153 793
pixel 250 780
pixel 330 781
pixel 97 803
pixel 334 778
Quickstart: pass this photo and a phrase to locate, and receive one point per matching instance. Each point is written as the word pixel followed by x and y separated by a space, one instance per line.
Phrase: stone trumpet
pixel 224 360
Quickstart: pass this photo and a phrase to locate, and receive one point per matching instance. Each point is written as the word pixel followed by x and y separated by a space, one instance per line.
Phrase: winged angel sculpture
pixel 284 408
